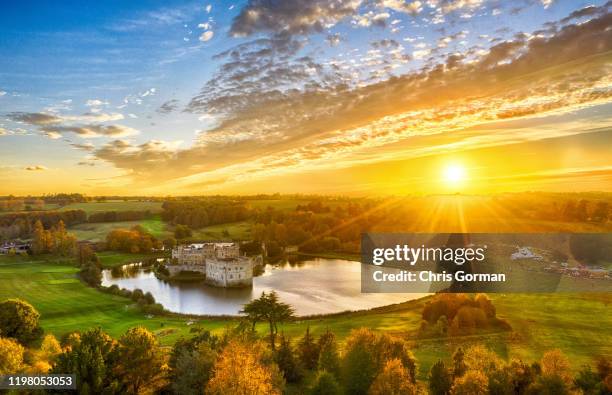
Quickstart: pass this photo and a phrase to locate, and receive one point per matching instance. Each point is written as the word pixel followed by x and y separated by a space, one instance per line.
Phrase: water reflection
pixel 315 286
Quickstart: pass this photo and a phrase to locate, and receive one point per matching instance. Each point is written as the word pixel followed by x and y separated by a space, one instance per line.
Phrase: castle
pixel 220 262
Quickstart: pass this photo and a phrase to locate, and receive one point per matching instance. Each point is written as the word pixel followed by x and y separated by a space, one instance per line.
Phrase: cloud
pixel 3 132
pixel 36 168
pixel 44 119
pixel 52 135
pixel 153 154
pixel 168 107
pixel 410 7
pixel 291 17
pixel 2 93
pixel 278 111
pixel 333 39
pixel 207 35
pixel 39 119
pixel 91 131
pixel 95 103
pixel 84 147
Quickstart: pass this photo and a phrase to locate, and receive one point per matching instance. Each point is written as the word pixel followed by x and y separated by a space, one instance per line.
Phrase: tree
pixel 440 379
pixel 329 359
pixel 268 308
pixel 287 362
pixel 182 231
pixel 64 243
pixel 11 356
pixel 141 363
pixel 40 239
pixel 91 357
pixel 193 369
pixel 241 369
pixel 19 320
pixel 359 365
pixel 388 347
pixel 601 212
pixel 393 380
pixel 459 367
pixel 471 383
pixel 169 243
pixel 325 384
pixel 480 358
pixel 85 254
pixel 588 381
pixel 308 350
pixel 91 270
pixel 548 385
pixel 555 363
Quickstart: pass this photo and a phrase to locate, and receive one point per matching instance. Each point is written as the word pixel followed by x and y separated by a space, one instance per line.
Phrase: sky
pixel 354 97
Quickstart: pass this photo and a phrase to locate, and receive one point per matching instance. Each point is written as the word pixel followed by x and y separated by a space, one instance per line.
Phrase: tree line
pixel 21 225
pixel 200 213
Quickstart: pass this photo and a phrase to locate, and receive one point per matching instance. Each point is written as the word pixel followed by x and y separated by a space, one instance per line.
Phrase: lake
pixel 314 286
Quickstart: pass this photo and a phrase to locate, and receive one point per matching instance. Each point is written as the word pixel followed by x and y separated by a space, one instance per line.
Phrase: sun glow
pixel 454 174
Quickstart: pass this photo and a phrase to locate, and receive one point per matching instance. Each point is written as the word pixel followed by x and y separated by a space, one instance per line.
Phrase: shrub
pixel 19 320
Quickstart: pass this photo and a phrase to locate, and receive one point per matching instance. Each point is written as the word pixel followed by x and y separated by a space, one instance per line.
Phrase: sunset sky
pixel 356 97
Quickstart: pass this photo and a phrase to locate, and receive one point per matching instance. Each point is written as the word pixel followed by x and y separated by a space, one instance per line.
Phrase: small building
pixel 14 248
pixel 525 253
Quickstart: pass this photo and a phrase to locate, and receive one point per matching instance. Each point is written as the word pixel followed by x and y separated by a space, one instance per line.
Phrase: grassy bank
pixel 110 259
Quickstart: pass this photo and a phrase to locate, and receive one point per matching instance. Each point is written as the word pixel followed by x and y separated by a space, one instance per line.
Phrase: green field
pixel 115 205
pixel 235 231
pixel 577 324
pixel 98 231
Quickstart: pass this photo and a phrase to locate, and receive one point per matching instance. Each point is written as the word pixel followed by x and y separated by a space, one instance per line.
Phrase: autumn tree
pixel 245 369
pixel 141 363
pixel 440 379
pixel 480 358
pixel 471 383
pixel 393 380
pixel 11 356
pixel 41 239
pixel 459 367
pixel 555 363
pixel 19 320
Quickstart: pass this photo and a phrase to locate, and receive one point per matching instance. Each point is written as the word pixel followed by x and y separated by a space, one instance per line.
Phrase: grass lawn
pixel 98 231
pixel 236 231
pixel 115 205
pixel 578 324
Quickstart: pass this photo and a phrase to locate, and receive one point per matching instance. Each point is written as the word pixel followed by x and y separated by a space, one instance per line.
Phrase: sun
pixel 454 174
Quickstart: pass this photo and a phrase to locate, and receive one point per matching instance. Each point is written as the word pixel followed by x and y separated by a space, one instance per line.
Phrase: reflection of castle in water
pixel 221 263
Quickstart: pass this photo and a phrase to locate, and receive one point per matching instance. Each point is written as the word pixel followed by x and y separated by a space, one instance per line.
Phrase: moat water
pixel 314 286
